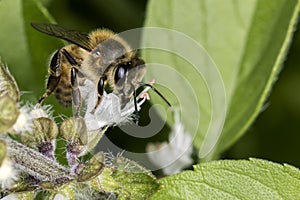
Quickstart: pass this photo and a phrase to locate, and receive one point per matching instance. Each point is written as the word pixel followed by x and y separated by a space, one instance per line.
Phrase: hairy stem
pixel 35 163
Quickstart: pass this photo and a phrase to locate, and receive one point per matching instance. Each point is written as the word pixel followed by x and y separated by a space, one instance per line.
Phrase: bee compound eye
pixel 101 86
pixel 120 72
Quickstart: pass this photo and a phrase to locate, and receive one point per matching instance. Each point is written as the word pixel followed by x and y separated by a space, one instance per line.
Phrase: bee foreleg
pixel 100 88
pixel 45 95
pixel 51 86
pixel 136 112
pixel 76 96
pixel 55 72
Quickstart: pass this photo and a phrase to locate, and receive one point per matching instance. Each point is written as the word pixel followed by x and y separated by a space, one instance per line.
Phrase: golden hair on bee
pixel 100 35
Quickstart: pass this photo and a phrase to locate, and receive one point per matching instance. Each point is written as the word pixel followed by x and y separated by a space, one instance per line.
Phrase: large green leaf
pixel 228 179
pixel 245 40
pixel 25 50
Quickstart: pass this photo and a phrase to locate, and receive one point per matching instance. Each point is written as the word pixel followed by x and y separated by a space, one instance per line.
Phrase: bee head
pixel 108 51
pixel 129 72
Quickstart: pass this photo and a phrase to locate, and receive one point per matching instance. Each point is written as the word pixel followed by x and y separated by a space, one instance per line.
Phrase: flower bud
pixel 42 137
pixel 8 85
pixel 72 129
pixel 8 113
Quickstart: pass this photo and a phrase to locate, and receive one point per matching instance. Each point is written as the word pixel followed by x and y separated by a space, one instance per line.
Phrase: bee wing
pixel 72 36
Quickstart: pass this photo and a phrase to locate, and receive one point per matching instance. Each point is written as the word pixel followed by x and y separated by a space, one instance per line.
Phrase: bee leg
pixel 75 91
pixel 45 95
pixel 54 77
pixel 76 96
pixel 51 85
pixel 136 112
pixel 100 88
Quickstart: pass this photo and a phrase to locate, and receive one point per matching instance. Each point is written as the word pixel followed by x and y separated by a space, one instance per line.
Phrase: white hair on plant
pixel 8 174
pixel 28 112
pixel 109 112
pixel 24 120
pixel 37 111
pixel 175 155
pixel 109 157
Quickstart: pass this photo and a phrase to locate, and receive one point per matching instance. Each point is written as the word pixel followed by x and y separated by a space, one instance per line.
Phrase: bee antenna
pixel 156 91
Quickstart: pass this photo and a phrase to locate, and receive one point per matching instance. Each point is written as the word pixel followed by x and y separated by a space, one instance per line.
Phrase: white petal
pixel 24 121
pixel 60 197
pixel 8 174
pixel 11 197
pixel 109 112
pixel 174 156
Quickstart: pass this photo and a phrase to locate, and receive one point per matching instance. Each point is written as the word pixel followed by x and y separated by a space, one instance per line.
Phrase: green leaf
pixel 2 151
pixel 128 179
pixel 24 49
pixel 229 179
pixel 8 85
pixel 244 42
pixel 8 113
pixel 92 167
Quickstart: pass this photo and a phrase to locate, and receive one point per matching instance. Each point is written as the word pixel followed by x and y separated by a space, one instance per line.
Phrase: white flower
pixel 60 197
pixel 24 121
pixel 29 112
pixel 8 174
pixel 174 156
pixel 109 112
pixel 11 196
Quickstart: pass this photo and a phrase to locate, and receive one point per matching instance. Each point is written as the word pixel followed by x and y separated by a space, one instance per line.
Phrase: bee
pixel 100 56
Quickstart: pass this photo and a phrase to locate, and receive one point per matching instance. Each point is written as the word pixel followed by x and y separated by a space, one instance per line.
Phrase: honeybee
pixel 100 56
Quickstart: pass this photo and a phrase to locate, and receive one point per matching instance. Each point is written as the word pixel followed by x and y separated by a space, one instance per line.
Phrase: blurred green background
pixel 275 135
